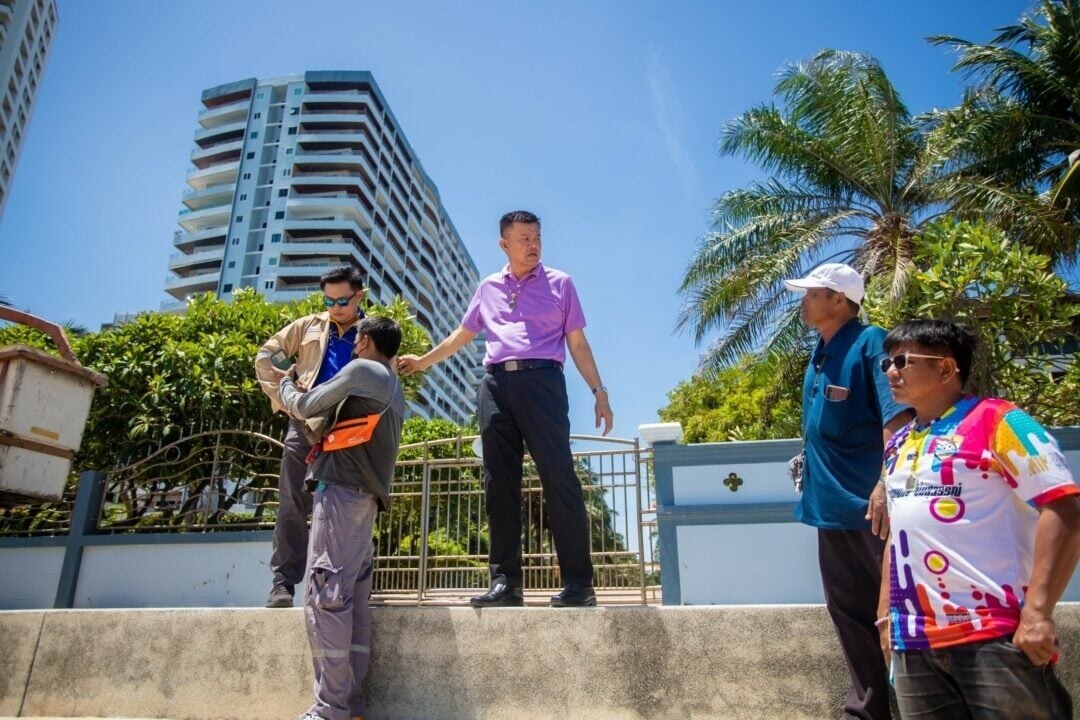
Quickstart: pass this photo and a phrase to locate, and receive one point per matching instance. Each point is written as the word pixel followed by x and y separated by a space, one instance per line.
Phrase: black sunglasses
pixel 342 301
pixel 901 361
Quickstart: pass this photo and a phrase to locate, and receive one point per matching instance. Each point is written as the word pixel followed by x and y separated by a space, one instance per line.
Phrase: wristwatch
pixel 600 389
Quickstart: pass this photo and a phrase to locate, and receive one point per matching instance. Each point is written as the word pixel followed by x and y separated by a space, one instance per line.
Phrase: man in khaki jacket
pixel 318 345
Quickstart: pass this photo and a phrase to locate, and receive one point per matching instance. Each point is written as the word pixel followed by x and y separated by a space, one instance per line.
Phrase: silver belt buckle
pixel 512 366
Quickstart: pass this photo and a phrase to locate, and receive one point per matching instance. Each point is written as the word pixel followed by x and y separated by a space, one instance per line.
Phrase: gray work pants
pixel 340 566
pixel 288 558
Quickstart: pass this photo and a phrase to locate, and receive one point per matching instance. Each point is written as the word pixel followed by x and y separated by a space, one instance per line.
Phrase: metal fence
pixel 431 546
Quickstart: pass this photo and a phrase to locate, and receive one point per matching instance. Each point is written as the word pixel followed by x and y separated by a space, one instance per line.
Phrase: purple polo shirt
pixel 546 308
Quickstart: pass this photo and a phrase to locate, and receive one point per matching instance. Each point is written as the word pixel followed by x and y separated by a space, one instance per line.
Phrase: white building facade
pixel 27 28
pixel 296 175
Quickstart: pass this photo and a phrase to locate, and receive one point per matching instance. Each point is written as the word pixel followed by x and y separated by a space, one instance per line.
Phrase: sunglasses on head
pixel 901 361
pixel 342 301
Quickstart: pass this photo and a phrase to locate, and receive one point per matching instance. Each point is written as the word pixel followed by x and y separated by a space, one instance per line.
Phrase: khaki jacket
pixel 304 340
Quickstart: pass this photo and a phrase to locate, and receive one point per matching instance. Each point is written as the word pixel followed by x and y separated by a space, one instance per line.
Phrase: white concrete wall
pixel 749 564
pixel 29 577
pixel 225 574
pixel 190 575
pixel 728 562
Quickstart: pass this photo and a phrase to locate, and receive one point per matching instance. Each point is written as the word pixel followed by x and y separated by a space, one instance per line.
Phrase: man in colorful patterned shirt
pixel 985 520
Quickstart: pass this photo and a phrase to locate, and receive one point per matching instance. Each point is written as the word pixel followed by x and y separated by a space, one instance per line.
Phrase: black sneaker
pixel 281 596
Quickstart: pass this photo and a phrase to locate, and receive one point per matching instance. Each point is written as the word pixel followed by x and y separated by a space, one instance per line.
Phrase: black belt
pixel 515 365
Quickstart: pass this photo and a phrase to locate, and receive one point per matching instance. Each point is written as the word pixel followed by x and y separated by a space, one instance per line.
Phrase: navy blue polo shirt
pixel 339 351
pixel 846 403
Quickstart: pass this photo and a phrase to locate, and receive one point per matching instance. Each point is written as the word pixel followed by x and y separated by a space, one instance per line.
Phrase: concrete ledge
pixel 19 634
pixel 625 663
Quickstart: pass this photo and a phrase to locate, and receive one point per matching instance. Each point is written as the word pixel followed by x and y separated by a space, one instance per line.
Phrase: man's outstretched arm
pixel 408 364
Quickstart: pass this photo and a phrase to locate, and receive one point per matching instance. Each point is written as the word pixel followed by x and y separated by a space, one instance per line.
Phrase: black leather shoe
pixel 501 595
pixel 575 596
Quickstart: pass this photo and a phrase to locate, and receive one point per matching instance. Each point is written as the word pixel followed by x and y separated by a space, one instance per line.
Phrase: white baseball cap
pixel 834 276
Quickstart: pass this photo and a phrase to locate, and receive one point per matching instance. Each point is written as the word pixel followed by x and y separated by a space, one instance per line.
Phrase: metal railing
pixel 432 544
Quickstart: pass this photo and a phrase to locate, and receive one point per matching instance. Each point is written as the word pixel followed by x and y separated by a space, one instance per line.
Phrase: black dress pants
pixel 850 563
pixel 530 407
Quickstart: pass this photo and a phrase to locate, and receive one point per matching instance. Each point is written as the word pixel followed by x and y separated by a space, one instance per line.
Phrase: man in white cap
pixel 848 414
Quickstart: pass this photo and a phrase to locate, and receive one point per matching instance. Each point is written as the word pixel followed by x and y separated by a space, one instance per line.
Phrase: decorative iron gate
pixel 431 546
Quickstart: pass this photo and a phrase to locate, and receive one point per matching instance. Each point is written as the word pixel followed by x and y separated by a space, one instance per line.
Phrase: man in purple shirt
pixel 530 314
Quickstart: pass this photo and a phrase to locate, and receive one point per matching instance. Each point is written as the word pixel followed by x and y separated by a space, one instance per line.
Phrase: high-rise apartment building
pixel 296 175
pixel 26 33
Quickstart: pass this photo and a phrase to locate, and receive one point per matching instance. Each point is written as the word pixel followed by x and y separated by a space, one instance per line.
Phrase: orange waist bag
pixel 352 432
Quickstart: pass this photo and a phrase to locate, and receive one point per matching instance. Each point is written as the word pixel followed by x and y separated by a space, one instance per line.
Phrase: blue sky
pixel 600 116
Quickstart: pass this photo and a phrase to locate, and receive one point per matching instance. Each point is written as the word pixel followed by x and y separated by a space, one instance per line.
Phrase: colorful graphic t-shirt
pixel 962 498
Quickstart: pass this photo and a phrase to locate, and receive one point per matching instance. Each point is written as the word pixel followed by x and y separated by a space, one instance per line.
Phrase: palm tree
pixel 1021 121
pixel 854 178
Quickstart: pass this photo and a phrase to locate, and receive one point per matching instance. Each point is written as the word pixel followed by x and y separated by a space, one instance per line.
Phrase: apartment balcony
pixel 219 134
pixel 211 195
pixel 338 99
pixel 217 155
pixel 334 125
pixel 220 174
pixel 427 252
pixel 225 114
pixel 329 257
pixel 426 274
pixel 309 186
pixel 306 273
pixel 348 122
pixel 294 254
pixel 197 282
pixel 351 139
pixel 334 164
pixel 200 239
pixel 289 293
pixel 428 227
pixel 329 208
pixel 202 219
pixel 187 264
pixel 394 257
pixel 300 231
pixel 310 172
pixel 333 159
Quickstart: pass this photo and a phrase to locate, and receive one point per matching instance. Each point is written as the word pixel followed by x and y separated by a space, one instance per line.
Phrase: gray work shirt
pixel 367 388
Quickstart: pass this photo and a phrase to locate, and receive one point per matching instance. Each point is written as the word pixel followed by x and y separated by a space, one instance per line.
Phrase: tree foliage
pixel 1010 296
pixel 753 400
pixel 171 374
pixel 850 180
pixel 1027 322
pixel 853 178
pixel 1020 121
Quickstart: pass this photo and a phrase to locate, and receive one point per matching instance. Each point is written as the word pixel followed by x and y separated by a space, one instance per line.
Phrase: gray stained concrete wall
pixel 625 663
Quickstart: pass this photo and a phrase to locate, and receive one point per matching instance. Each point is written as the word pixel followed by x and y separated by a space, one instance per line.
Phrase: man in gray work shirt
pixel 353 485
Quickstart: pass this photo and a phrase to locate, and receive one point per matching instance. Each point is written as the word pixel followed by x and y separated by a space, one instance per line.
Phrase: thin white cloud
pixel 667 114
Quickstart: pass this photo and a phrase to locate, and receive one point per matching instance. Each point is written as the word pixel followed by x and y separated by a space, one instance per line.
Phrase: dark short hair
pixel 384 332
pixel 853 307
pixel 516 216
pixel 945 336
pixel 345 273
